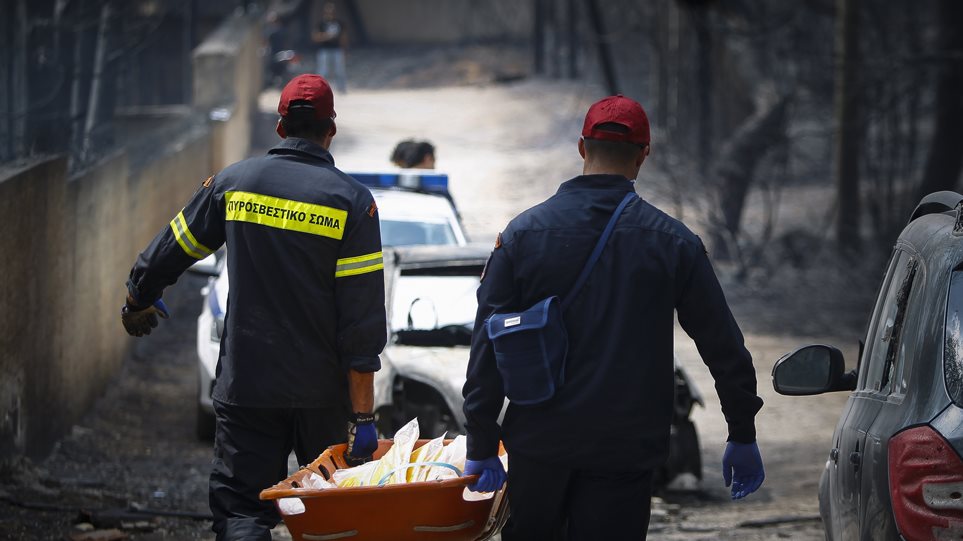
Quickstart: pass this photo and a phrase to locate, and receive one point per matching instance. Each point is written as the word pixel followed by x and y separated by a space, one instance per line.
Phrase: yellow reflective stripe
pixel 200 247
pixel 186 240
pixel 285 214
pixel 361 264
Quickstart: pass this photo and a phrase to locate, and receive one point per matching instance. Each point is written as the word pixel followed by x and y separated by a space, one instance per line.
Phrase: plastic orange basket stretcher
pixel 430 510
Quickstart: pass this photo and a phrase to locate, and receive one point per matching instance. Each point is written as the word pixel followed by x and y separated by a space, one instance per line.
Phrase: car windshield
pixel 411 233
pixel 435 309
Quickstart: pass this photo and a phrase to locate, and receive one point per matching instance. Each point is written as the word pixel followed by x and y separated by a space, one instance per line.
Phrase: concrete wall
pixel 227 80
pixel 445 21
pixel 68 245
pixel 33 242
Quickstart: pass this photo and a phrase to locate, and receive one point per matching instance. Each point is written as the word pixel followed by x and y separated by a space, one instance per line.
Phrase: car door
pixel 849 443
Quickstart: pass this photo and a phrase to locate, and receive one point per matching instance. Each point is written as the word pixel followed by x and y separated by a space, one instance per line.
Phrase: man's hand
pixel 490 471
pixel 742 468
pixel 139 321
pixel 362 439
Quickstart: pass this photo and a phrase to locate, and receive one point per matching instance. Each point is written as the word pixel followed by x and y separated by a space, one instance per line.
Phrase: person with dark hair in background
pixel 306 310
pixel 581 455
pixel 411 154
pixel 332 40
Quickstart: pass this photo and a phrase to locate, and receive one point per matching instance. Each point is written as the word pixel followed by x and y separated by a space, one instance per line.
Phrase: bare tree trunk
pixel 58 12
pixel 736 167
pixel 538 36
pixel 96 82
pixel 596 18
pixel 849 124
pixel 20 98
pixel 76 79
pixel 945 157
pixel 6 90
pixel 703 87
pixel 659 76
pixel 571 20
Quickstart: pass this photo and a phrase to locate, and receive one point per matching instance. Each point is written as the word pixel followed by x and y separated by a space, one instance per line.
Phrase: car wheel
pixel 387 422
pixel 205 424
pixel 685 455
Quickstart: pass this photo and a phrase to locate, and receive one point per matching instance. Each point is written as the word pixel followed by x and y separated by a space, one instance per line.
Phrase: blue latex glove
pixel 491 474
pixel 139 321
pixel 742 468
pixel 362 439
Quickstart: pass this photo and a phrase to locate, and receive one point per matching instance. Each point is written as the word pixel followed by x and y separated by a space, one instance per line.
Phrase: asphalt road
pixel 506 148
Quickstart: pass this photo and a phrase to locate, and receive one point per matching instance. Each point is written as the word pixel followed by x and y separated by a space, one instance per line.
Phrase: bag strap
pixel 597 252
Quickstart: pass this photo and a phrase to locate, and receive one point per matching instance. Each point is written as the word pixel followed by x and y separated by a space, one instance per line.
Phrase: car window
pixel 883 349
pixel 866 349
pixel 953 341
pixel 411 233
pixel 434 309
pixel 893 381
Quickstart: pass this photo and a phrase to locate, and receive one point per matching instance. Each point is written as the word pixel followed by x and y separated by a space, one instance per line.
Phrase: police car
pixel 415 209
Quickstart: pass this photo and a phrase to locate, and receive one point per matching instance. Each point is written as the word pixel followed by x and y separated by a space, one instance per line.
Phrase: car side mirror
pixel 209 266
pixel 810 370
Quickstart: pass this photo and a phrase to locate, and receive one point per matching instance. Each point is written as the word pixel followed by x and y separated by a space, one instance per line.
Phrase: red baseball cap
pixel 617 110
pixel 312 89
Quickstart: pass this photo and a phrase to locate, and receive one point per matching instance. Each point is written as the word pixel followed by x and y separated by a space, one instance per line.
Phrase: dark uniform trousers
pixel 598 504
pixel 251 448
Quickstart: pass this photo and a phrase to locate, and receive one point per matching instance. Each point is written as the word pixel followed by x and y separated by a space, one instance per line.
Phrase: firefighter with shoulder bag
pixel 575 321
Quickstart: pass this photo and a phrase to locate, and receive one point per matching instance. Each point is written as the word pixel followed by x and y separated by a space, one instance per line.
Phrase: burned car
pixel 431 301
pixel 894 468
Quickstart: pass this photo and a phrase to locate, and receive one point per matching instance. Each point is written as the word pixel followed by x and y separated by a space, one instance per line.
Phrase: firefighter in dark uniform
pixel 581 464
pixel 306 309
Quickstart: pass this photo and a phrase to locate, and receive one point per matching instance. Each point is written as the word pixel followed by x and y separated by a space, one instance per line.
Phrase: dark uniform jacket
pixel 304 263
pixel 615 407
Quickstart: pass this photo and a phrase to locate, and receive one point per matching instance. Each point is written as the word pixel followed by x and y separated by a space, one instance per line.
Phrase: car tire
pixel 387 422
pixel 205 424
pixel 685 455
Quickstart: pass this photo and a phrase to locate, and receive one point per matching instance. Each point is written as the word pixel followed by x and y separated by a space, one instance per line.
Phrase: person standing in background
pixel 411 154
pixel 332 41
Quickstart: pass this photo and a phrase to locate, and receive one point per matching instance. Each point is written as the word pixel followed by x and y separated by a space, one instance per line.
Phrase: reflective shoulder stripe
pixel 186 240
pixel 285 214
pixel 361 264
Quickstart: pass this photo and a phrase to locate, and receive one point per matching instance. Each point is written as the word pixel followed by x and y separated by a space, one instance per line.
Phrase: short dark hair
pixel 301 121
pixel 612 151
pixel 401 149
pixel 410 153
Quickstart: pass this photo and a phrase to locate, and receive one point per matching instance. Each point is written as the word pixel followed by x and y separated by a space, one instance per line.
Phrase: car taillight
pixel 926 485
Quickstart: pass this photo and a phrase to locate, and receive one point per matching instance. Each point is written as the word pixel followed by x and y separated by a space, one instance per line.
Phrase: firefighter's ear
pixel 643 154
pixel 280 130
pixel 581 147
pixel 334 129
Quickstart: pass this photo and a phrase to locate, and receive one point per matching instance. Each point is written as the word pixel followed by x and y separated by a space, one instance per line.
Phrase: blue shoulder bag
pixel 531 345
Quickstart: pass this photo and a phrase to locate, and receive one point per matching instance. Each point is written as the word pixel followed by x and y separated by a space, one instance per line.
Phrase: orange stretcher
pixel 431 510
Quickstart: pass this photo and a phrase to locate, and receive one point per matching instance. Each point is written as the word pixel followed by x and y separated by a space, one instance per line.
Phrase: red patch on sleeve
pixel 498 241
pixel 373 209
pixel 208 182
